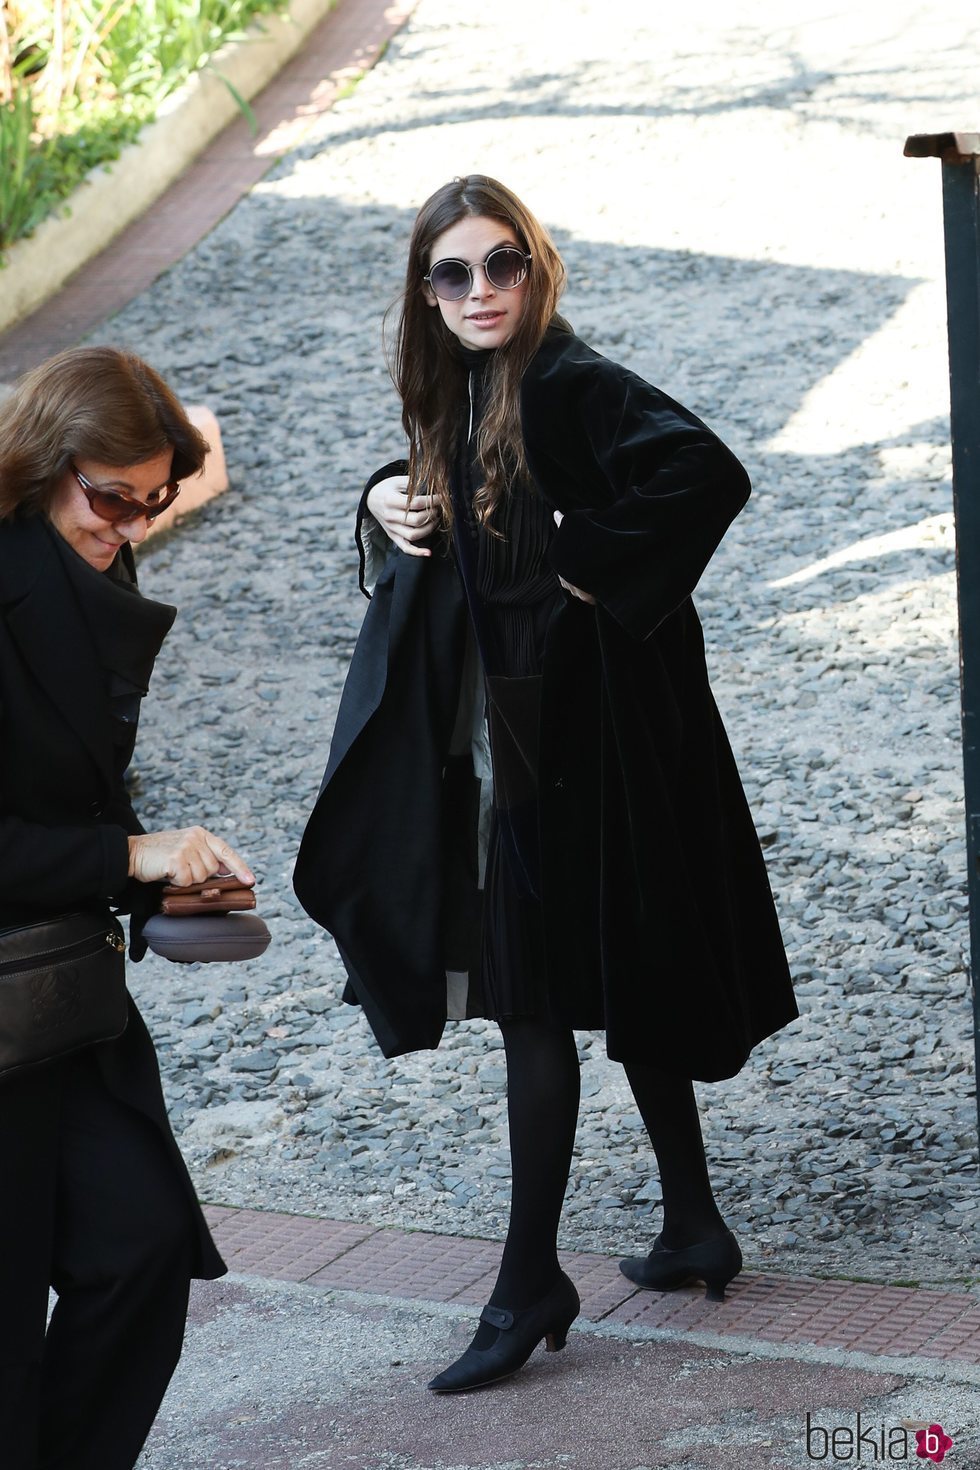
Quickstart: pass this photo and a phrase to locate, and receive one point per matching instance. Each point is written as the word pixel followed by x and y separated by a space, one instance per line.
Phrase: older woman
pixel 96 1201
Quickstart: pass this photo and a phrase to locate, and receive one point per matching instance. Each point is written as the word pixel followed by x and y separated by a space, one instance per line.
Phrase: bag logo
pixel 55 998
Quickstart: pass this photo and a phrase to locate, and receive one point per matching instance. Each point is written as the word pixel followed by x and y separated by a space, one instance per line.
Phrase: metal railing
pixel 960 155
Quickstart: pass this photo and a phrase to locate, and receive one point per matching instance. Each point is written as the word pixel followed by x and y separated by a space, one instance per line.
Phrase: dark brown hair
pixel 426 366
pixel 87 403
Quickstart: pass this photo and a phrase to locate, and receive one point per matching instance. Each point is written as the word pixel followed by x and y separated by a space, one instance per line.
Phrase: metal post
pixel 960 154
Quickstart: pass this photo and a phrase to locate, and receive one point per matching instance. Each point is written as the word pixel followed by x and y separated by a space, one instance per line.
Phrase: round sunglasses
pixel 504 268
pixel 115 507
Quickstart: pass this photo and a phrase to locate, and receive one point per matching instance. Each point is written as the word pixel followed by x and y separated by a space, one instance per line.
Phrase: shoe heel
pixel 555 1340
pixel 714 1290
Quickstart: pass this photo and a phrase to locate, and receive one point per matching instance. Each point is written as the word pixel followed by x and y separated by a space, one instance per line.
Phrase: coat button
pixel 559 783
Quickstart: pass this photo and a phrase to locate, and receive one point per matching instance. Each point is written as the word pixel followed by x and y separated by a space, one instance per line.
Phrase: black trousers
pixel 91 1205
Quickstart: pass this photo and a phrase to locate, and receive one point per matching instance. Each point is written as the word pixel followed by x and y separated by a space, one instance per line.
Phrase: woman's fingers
pixel 404 545
pixel 403 521
pixel 577 592
pixel 412 524
pixel 230 861
pixel 385 498
pixel 410 514
pixel 183 857
pixel 384 489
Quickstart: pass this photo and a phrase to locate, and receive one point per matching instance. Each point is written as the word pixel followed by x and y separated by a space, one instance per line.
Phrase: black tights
pixel 542 1106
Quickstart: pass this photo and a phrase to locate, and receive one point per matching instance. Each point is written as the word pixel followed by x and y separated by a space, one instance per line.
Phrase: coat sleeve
pixel 61 866
pixel 373 545
pixel 121 811
pixel 673 489
pixel 67 864
pixel 138 900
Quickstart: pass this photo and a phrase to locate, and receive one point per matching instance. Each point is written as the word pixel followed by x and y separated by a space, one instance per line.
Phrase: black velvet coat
pixel 652 875
pixel 64 814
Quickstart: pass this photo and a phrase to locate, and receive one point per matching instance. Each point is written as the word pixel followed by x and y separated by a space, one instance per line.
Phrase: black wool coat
pixel 652 875
pixel 64 812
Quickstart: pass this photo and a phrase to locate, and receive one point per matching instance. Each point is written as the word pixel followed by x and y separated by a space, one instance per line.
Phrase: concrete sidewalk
pixel 326 1366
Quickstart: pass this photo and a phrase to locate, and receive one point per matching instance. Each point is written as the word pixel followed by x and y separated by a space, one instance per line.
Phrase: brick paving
pixel 885 1321
pixel 346 43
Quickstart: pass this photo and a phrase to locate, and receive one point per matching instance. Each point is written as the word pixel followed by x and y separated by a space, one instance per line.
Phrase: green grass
pixel 72 101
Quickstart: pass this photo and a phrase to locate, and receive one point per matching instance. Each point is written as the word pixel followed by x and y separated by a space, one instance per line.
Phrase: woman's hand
pixel 575 591
pixel 388 503
pixel 184 857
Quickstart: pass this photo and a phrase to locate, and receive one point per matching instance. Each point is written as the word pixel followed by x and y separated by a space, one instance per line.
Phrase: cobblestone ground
pixel 740 227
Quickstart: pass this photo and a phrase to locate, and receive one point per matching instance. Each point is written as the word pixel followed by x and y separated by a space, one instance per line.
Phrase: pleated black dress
pixel 512 592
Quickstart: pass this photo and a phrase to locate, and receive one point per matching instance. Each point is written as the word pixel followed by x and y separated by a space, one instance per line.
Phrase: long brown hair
pixel 88 403
pixel 426 366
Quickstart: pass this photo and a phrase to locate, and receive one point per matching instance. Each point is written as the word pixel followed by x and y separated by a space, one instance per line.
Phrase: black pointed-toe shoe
pixel 716 1262
pixel 518 1334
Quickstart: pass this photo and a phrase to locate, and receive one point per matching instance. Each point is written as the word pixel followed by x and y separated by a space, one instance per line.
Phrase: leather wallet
pixel 214 896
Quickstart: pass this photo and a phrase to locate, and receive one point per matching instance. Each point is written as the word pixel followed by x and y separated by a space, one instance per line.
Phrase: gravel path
pixel 740 227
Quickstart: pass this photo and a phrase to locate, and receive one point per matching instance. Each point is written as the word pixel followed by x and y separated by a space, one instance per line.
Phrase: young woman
pixel 543 540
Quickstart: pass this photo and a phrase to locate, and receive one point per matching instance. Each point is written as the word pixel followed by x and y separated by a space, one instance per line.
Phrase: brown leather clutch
pixel 213 896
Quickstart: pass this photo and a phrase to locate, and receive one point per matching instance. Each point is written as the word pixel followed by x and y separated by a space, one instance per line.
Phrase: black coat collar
pixel 44 619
